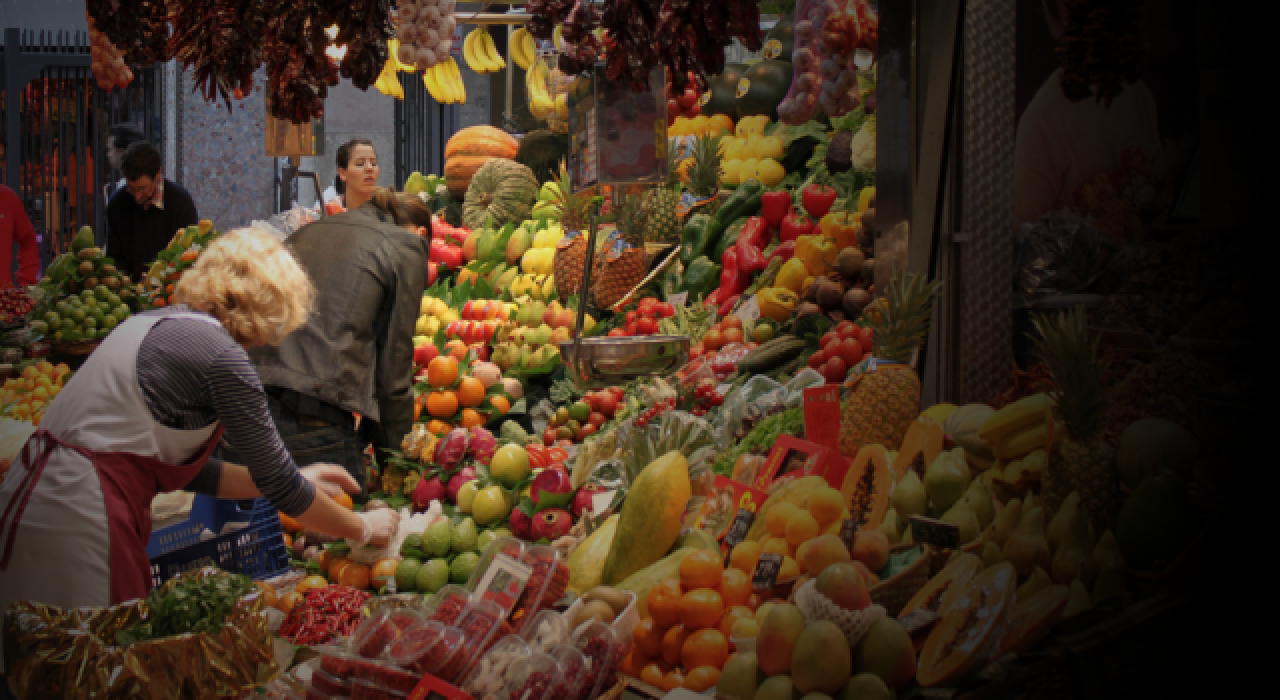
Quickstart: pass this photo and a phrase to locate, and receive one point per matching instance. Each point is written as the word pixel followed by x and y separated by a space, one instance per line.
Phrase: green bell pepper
pixel 672 279
pixel 729 238
pixel 693 239
pixel 701 278
pixel 745 201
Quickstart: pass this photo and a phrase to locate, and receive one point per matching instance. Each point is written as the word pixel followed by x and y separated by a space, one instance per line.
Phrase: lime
pixel 68 325
pixel 91 323
pixel 64 307
pixel 78 315
pixel 86 294
pixel 57 336
pixel 121 312
pixel 462 568
pixel 438 538
pixel 40 327
pixel 113 300
pixel 52 318
pixel 110 322
pixel 407 574
pixel 432 576
pixel 464 536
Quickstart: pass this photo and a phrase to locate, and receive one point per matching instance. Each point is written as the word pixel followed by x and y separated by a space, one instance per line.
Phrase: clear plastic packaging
pixel 480 624
pixel 602 651
pixel 725 362
pixel 573 667
pixel 486 583
pixel 536 676
pixel 491 675
pixel 447 604
pixel 329 685
pixel 368 690
pixel 388 676
pixel 545 631
pixel 376 633
pixel 735 406
pixel 548 580
pixel 426 649
pixel 339 662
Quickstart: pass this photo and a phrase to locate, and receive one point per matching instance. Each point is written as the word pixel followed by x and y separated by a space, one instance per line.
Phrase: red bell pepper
pixel 817 199
pixel 732 278
pixel 750 258
pixel 433 269
pixel 728 305
pixel 784 251
pixel 774 206
pixel 795 226
pixel 755 233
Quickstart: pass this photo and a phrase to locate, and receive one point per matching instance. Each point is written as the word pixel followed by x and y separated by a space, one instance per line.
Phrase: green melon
pixel 1150 445
pixel 767 83
pixel 722 91
pixel 780 40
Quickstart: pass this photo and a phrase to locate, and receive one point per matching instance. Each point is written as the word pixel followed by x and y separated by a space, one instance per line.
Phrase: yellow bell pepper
pixel 864 198
pixel 817 252
pixel 792 275
pixel 776 303
pixel 841 227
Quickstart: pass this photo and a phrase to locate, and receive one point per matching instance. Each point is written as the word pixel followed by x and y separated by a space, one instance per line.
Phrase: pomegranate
pixel 551 524
pixel 459 478
pixel 551 488
pixel 521 524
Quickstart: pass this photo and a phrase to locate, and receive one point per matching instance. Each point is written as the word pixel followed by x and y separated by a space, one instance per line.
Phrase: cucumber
pixel 770 355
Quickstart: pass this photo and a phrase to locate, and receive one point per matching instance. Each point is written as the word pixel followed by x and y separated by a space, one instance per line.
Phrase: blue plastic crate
pixel 257 550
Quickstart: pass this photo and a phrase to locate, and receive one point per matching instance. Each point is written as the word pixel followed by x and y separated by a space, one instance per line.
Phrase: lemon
pixel 770 172
pixel 748 170
pixel 771 147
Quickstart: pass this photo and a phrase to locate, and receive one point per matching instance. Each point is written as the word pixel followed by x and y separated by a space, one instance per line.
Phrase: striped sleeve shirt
pixel 193 373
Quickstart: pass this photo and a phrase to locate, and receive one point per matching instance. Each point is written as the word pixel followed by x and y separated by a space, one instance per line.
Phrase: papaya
pixel 586 564
pixel 946 586
pixel 922 445
pixel 959 643
pixel 866 486
pixel 795 492
pixel 1033 618
pixel 651 517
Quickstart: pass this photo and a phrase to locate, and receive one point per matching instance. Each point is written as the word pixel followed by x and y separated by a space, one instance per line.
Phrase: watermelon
pixel 780 40
pixel 766 84
pixel 722 90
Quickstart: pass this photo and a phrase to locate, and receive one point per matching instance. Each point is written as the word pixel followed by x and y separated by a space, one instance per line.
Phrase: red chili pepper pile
pixel 323 614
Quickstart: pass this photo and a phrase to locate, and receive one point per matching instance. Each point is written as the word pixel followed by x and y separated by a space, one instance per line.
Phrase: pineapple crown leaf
pixel 573 208
pixel 901 321
pixel 704 173
pixel 1074 363
pixel 631 217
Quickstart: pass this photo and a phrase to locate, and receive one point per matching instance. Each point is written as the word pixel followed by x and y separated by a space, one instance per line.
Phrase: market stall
pixel 670 432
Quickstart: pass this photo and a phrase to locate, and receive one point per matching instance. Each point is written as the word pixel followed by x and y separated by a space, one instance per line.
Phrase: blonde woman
pixel 143 415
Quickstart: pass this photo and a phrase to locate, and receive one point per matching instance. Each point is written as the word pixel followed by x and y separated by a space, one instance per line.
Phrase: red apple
pixel 597 419
pixel 606 403
pixel 818 359
pixel 850 350
pixel 424 354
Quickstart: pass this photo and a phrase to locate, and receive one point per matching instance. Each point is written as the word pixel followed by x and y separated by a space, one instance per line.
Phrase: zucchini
pixel 771 354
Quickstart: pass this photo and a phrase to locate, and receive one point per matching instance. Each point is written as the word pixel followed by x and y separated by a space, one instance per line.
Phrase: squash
pixel 471 148
pixel 502 190
pixel 920 447
pixel 866 486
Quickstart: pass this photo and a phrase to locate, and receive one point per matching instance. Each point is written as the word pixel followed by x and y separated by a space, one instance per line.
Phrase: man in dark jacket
pixel 355 354
pixel 143 216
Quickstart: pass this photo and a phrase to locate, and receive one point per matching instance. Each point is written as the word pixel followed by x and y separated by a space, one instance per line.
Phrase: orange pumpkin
pixel 471 148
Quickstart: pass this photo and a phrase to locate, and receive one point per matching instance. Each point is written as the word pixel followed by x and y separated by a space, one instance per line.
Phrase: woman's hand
pixel 379 526
pixel 331 478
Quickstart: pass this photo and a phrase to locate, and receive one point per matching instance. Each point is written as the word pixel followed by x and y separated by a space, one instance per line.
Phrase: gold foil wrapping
pixel 56 654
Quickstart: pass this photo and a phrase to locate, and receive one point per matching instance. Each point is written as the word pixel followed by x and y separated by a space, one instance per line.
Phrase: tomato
pixel 606 403
pixel 557 455
pixel 597 419
pixel 867 337
pixel 818 359
pixel 731 322
pixel 850 350
pixel 828 338
pixel 835 370
pixel 713 340
pixel 647 326
pixel 617 333
pixel 631 317
pixel 696 351
pixel 846 329
pixel 666 310
pixel 549 437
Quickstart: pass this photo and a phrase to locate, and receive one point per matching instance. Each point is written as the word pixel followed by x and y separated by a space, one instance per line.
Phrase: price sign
pixel 748 311
pixel 766 573
pixel 738 530
pixel 503 581
pixel 822 415
pixel 600 502
pixel 934 532
pixel 849 532
pixel 678 299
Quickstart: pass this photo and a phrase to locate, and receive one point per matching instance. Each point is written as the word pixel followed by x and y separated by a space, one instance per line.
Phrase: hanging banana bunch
pixel 523 48
pixel 481 53
pixel 389 81
pixel 444 82
pixel 541 104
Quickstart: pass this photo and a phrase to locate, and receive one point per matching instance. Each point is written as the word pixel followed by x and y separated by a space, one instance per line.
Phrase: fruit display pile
pixel 27 396
pixel 83 296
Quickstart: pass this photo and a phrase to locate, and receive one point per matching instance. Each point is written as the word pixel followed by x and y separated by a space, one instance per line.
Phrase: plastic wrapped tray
pixel 479 623
pixel 426 649
pixel 491 674
pixel 602 651
pixel 546 631
pixel 368 690
pixel 329 685
pixel 376 633
pixel 448 604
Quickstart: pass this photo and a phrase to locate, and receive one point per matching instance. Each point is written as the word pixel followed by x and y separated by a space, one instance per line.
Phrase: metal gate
pixel 423 126
pixel 56 123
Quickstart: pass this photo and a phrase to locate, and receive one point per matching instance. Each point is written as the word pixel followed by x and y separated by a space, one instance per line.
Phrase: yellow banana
pixel 1014 418
pixel 495 56
pixel 445 76
pixel 474 60
pixel 555 37
pixel 429 79
pixel 518 48
pixel 1027 441
pixel 393 49
pixel 459 88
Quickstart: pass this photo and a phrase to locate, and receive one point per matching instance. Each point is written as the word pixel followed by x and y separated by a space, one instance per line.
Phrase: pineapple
pixel 883 403
pixel 659 205
pixel 704 173
pixel 571 252
pixel 1082 461
pixel 621 265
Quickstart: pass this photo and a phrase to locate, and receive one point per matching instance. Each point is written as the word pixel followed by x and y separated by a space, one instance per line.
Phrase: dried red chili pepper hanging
pixel 363 27
pixel 298 71
pixel 221 42
pixel 138 29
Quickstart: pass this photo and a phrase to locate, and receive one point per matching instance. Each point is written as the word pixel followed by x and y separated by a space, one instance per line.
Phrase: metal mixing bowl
pixel 611 361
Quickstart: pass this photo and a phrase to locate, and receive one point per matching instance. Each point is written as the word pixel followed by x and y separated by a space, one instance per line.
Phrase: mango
pixel 865 686
pixel 740 677
pixel 777 639
pixel 776 688
pixel 821 662
pixel 886 652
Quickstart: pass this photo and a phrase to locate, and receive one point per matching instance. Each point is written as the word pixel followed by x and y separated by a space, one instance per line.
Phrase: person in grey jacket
pixel 355 353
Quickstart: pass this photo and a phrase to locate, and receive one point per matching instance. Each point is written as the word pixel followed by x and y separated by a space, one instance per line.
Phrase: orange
pixel 723 122
pixel 336 566
pixel 287 601
pixel 776 520
pixel 310 582
pixel 790 569
pixel 269 596
pixel 326 560
pixel 344 500
pixel 384 570
pixel 471 419
pixel 703 677
pixel 732 615
pixel 442 404
pixel 701 609
pixel 357 576
pixel 705 648
pixel 501 404
pixel 438 427
pixel 826 505
pixel 648 638
pixel 288 540
pixel 701 569
pixel 633 665
pixel 745 556
pixel 801 528
pixel 470 391
pixel 442 371
pixel 735 587
pixel 289 524
pixel 674 679
pixel 777 545
pixel 652 674
pixel 664 603
pixel 673 643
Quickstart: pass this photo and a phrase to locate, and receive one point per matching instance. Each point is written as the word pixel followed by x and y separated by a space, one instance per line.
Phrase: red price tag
pixel 822 415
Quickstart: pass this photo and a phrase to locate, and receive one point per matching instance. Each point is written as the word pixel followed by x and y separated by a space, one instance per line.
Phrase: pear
pixel 946 480
pixel 1030 503
pixel 1034 462
pixel 1110 583
pixel 979 496
pixel 1071 560
pixel 1038 581
pixel 1006 521
pixel 1078 601
pixel 1026 547
pixel 890 528
pixel 962 516
pixel 1106 554
pixel 1013 471
pixel 1058 524
pixel 909 497
pixel 991 555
